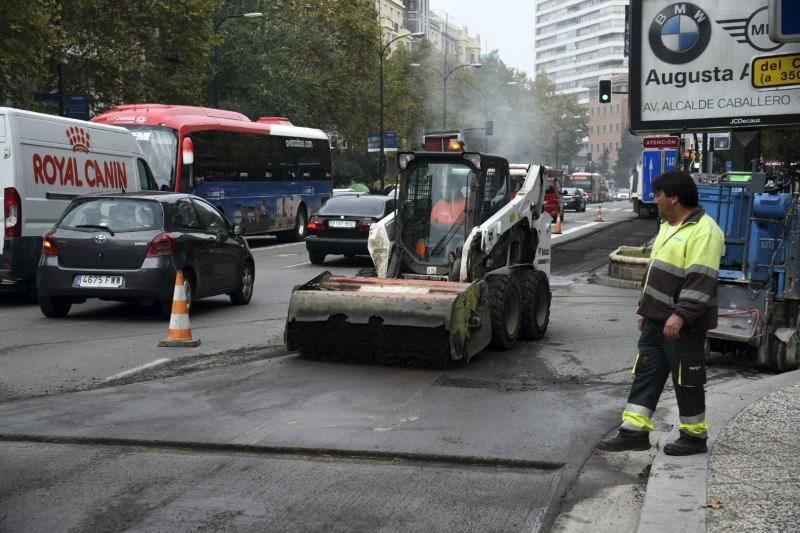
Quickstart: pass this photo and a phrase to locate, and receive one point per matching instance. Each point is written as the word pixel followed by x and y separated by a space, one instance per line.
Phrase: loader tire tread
pixel 536 298
pixel 505 302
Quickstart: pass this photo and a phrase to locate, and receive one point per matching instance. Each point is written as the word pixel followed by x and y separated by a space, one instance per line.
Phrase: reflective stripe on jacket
pixel 682 275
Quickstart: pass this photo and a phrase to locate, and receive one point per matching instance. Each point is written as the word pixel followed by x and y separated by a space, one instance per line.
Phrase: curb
pixel 677 486
pixel 604 279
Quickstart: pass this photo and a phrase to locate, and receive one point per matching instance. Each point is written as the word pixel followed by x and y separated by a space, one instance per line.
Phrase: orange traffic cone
pixel 599 217
pixel 557 229
pixel 180 332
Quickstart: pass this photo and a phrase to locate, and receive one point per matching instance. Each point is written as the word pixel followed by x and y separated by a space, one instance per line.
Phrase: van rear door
pixel 6 168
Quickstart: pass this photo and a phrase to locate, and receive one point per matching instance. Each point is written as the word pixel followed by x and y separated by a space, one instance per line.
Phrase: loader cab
pixel 442 197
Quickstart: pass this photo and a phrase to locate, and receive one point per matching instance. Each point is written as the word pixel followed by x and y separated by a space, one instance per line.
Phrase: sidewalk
pixel 749 480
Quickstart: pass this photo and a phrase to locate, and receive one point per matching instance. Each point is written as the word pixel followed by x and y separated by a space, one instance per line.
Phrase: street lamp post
pixel 217 26
pixel 381 166
pixel 445 74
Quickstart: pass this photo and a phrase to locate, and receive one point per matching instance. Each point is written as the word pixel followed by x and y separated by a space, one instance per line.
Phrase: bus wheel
pixel 297 234
pixel 300 225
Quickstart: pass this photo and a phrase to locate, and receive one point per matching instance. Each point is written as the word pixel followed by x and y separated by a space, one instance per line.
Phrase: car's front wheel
pixel 243 295
pixel 54 306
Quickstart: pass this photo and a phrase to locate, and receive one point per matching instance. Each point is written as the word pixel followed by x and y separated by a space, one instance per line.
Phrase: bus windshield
pixel 160 147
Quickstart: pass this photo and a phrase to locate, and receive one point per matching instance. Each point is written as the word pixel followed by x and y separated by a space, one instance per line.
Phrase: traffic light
pixel 604 92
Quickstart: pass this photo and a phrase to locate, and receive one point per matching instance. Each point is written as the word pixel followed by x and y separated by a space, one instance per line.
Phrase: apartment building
pixel 578 42
pixel 391 17
pixel 455 40
pixel 417 12
pixel 401 17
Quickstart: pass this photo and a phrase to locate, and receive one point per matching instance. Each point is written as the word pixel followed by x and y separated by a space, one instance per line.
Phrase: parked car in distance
pixel 622 194
pixel 341 226
pixel 128 247
pixel 574 198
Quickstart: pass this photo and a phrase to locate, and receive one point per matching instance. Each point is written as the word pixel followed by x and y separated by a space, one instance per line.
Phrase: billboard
pixel 374 141
pixel 692 65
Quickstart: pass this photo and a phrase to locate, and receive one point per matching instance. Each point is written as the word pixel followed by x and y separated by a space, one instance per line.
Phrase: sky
pixel 504 25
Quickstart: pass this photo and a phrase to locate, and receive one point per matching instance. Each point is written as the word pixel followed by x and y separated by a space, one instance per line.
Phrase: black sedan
pixel 128 247
pixel 574 198
pixel 341 226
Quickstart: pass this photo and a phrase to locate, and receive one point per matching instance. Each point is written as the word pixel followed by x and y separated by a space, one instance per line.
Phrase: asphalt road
pixel 99 341
pixel 280 443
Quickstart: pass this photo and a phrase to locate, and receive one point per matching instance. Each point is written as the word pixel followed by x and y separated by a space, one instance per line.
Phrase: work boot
pixel 686 445
pixel 626 440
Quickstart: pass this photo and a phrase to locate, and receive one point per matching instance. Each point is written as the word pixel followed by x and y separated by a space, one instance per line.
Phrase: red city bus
pixel 594 185
pixel 266 174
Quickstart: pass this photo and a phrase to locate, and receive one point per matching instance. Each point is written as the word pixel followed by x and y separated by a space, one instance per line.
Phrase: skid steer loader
pixel 460 264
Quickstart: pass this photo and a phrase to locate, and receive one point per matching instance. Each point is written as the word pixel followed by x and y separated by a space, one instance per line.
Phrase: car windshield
pixel 160 148
pixel 115 214
pixel 355 206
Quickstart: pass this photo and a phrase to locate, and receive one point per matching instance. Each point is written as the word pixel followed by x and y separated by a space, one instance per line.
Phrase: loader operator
pixel 449 208
pixel 677 306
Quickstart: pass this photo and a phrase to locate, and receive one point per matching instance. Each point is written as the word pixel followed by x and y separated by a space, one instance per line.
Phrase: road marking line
pixel 572 230
pixel 297 265
pixel 287 255
pixel 145 366
pixel 276 247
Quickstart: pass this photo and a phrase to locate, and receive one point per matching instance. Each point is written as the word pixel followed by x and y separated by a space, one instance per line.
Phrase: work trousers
pixel 658 357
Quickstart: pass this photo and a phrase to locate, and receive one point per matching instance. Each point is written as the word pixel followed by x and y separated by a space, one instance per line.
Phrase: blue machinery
pixel 759 278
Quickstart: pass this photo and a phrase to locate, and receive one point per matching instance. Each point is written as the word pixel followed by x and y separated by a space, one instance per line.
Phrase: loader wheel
pixel 783 356
pixel 535 304
pixel 505 302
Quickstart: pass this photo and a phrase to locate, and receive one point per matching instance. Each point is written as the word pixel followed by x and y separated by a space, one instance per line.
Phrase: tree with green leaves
pixel 113 51
pixel 629 153
pixel 27 29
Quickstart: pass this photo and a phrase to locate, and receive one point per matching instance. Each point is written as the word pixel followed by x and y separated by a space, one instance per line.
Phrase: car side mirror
pixel 239 230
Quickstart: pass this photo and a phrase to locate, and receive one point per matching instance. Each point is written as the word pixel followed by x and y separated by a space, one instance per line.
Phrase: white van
pixel 46 161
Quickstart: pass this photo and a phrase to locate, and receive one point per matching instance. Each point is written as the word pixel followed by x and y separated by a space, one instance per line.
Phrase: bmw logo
pixel 680 33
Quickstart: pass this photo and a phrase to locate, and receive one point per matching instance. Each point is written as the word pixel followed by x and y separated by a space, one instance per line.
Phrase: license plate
pixel 348 224
pixel 93 280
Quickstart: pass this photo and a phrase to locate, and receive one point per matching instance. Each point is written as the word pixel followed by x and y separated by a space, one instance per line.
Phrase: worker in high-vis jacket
pixel 678 306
